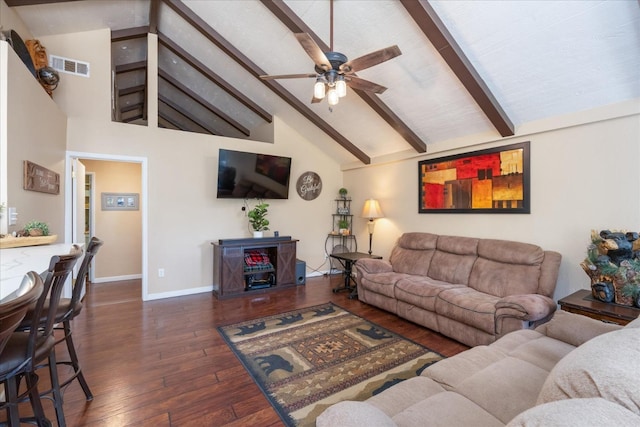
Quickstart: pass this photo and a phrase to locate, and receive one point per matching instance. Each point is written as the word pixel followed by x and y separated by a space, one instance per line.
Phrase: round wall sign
pixel 309 185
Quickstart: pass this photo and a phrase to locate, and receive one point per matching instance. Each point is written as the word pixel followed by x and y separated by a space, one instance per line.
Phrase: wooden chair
pixel 29 348
pixel 69 309
pixel 26 349
pixel 13 309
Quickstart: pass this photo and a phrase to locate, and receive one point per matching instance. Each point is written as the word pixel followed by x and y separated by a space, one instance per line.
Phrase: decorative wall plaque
pixel 38 178
pixel 309 185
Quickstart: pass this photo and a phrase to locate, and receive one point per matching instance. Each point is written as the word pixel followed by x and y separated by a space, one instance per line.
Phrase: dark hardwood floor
pixel 163 363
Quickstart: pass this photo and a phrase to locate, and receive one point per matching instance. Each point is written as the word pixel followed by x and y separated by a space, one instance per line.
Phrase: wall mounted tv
pixel 243 175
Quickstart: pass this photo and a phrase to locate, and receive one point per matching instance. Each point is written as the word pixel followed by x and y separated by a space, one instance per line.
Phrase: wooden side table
pixel 348 259
pixel 582 302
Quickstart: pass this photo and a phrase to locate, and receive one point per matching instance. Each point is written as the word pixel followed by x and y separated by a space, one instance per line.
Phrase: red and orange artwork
pixel 492 180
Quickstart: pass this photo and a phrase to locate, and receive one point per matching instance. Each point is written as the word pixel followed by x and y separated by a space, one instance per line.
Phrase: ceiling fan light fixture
pixel 318 89
pixel 341 87
pixel 332 97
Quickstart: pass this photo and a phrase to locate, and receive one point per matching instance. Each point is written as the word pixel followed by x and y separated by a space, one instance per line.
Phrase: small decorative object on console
pixel 613 264
pixel 257 218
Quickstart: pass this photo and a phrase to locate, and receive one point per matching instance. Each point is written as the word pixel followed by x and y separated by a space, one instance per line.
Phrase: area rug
pixel 308 359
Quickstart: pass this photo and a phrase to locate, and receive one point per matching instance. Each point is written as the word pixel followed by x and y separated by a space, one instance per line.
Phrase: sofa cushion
pixel 502 279
pixel 421 291
pixel 445 410
pixel 353 414
pixel 594 412
pixel 454 259
pixel 382 283
pixel 513 383
pixel 404 394
pixel 605 366
pixel 452 371
pixel 543 352
pixel 413 252
pixel 468 306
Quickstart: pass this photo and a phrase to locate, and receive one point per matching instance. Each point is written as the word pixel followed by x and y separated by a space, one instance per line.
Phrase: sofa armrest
pixel 531 307
pixel 353 414
pixel 575 329
pixel 515 312
pixel 367 265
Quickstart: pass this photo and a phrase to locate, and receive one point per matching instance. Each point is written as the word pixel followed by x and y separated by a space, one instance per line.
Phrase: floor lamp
pixel 372 211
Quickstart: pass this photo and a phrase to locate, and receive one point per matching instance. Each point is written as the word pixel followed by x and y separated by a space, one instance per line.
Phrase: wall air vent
pixel 69 66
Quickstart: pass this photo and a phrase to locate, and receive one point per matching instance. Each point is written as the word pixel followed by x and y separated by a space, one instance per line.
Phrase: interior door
pixel 78 201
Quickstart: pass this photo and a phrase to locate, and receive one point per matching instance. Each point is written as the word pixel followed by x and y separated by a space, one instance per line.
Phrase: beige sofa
pixel 571 371
pixel 472 290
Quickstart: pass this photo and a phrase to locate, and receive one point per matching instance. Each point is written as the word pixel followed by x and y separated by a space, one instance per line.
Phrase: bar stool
pixel 13 309
pixel 68 309
pixel 24 350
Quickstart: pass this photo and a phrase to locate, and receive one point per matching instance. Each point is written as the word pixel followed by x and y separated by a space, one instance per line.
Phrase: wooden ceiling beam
pixel 296 25
pixel 132 89
pixel 215 78
pixel 200 100
pixel 132 107
pixel 171 122
pixel 253 69
pixel 132 66
pixel 13 3
pixel 154 16
pixel 129 33
pixel 432 26
pixel 187 115
pixel 132 118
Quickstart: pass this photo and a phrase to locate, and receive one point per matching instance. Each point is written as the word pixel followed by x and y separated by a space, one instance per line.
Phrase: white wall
pixel 32 128
pixel 583 177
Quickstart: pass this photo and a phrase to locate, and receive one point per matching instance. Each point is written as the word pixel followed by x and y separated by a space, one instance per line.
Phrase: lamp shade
pixel 372 209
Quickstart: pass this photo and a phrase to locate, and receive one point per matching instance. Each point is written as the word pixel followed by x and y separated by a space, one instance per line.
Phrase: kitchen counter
pixel 16 262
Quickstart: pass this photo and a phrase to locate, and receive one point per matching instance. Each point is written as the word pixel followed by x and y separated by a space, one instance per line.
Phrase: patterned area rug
pixel 306 360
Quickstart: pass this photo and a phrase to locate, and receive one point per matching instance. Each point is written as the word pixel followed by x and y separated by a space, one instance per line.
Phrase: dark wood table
pixel 347 259
pixel 582 302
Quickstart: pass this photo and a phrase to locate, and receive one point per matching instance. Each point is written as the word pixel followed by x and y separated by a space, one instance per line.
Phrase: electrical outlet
pixel 161 272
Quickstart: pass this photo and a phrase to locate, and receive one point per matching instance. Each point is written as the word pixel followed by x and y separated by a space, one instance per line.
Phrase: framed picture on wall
pixel 120 201
pixel 495 180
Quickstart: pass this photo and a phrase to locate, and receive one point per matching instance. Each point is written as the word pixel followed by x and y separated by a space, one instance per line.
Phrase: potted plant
pixel 36 228
pixel 258 220
pixel 343 226
pixel 343 192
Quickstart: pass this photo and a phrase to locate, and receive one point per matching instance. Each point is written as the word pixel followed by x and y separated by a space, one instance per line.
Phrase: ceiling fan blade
pixel 370 59
pixel 366 85
pixel 314 51
pixel 315 100
pixel 288 76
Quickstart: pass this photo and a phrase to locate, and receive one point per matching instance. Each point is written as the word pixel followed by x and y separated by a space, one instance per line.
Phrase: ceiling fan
pixel 334 71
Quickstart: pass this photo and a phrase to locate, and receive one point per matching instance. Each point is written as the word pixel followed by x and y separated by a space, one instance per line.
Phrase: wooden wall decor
pixel 41 179
pixel 309 185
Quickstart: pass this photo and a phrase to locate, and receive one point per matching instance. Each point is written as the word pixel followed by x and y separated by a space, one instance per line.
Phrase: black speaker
pixel 301 272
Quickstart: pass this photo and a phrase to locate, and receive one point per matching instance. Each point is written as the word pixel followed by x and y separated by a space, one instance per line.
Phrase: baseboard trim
pixel 180 293
pixel 116 278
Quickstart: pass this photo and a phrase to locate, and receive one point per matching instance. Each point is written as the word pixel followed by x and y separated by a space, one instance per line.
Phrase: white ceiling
pixel 538 58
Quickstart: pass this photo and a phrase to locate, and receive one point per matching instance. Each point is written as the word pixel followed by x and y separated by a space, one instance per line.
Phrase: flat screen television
pixel 243 175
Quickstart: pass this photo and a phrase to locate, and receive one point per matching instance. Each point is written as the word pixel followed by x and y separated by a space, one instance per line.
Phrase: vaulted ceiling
pixel 466 68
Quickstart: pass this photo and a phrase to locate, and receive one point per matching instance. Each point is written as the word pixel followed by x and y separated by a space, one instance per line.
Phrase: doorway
pixel 112 217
